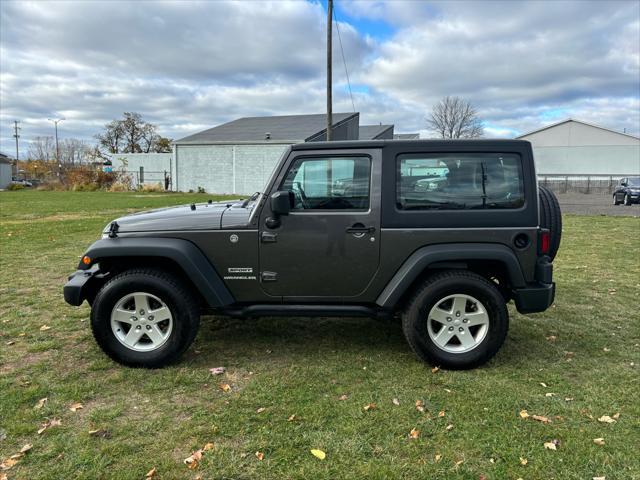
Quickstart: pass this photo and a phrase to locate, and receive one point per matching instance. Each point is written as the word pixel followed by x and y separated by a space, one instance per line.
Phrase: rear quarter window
pixel 459 181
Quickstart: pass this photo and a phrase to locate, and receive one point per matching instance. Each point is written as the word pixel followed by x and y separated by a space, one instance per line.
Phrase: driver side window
pixel 329 183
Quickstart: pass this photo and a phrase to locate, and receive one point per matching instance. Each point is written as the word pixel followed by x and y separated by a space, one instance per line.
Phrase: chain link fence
pixel 576 183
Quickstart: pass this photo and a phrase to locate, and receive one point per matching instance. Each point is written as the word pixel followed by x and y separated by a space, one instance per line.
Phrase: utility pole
pixel 55 122
pixel 16 136
pixel 329 63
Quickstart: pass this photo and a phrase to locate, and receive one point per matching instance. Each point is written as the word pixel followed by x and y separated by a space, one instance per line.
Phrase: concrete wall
pixel 5 175
pixel 594 160
pixel 241 169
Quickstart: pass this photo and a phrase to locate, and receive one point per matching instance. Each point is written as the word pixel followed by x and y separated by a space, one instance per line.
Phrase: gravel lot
pixel 594 204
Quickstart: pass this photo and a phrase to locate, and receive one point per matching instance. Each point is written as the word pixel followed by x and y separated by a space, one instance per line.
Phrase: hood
pixel 200 216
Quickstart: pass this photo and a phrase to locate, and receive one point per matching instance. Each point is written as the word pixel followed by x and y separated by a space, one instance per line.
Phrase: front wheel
pixel 615 200
pixel 457 320
pixel 627 199
pixel 144 318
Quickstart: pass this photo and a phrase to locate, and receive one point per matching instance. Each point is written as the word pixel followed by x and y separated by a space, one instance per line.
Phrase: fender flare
pixel 456 252
pixel 184 253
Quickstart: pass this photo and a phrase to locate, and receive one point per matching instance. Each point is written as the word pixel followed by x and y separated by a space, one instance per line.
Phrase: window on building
pixel 456 181
pixel 330 183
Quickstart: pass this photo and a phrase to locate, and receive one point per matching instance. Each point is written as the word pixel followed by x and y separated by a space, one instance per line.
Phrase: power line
pixel 344 61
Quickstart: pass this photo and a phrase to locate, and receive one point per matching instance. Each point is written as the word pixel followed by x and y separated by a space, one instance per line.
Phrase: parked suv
pixel 441 233
pixel 627 191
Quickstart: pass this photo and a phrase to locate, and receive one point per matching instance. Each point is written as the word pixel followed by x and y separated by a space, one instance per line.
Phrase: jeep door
pixel 328 244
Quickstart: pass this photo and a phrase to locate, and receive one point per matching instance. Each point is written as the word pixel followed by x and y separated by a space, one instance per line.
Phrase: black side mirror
pixel 281 202
pixel 623 184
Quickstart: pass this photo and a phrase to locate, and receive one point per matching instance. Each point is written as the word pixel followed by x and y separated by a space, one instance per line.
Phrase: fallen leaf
pixel 192 460
pixel 260 410
pixel 552 445
pixel 598 441
pixel 599 478
pixel 540 418
pixel 458 463
pixel 438 457
pixel 605 349
pixel 435 369
pixel 291 418
pixel 217 370
pixel 318 454
pixel 414 433
pixel 551 338
pixel 549 394
pixel 441 414
pixel 395 401
pixel 492 460
pixel 40 403
pixel 151 473
pixel 225 387
pixel 343 397
pixel 447 390
pixel 606 419
pixel 26 448
pixel 76 406
pixel 419 406
pixel 616 416
pixel 9 462
pixel 568 399
pixel 524 414
pixel 543 384
pixel 523 461
pixel 260 456
pixel 369 406
pixel 100 433
pixel 9 343
pixel 208 446
pixel 44 328
pixel 449 427
pixel 55 422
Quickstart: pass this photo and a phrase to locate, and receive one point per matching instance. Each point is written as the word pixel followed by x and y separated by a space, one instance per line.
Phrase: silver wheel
pixel 141 322
pixel 615 202
pixel 458 323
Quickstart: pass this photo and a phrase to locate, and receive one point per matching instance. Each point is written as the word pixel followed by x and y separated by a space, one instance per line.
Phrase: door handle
pixel 363 229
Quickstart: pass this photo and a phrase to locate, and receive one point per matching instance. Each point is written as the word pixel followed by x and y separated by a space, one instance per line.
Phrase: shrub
pixel 201 190
pixel 120 187
pixel 15 186
pixel 151 187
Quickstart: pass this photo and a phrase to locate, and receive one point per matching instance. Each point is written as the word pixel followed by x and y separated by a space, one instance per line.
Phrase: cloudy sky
pixel 187 65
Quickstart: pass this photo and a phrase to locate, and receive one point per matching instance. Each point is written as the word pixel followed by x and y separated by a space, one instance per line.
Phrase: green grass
pixel 302 366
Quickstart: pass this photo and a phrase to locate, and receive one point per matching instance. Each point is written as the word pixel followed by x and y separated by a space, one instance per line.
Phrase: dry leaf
pixel 540 418
pixel 369 406
pixel 343 397
pixel 40 403
pixel 598 441
pixel 396 402
pixel 76 406
pixel 100 433
pixel 26 448
pixel 291 418
pixel 193 460
pixel 524 414
pixel 435 369
pixel 551 338
pixel 217 370
pixel 606 419
pixel 552 445
pixel 606 349
pixel 260 456
pixel 543 384
pixel 208 446
pixel 447 390
pixel 549 394
pixel 419 406
pixel 616 416
pixel 568 399
pixel 523 461
pixel 441 414
pixel 9 462
pixel 599 478
pixel 438 457
pixel 260 410
pixel 225 387
pixel 414 433
pixel 151 473
pixel 9 343
pixel 318 454
pixel 44 328
pixel 458 463
pixel 55 422
pixel 448 427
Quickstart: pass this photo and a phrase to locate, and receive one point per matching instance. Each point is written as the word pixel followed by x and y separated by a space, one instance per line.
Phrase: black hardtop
pixel 484 144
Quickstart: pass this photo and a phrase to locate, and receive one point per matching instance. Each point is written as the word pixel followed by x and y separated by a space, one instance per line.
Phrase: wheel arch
pixel 429 259
pixel 174 255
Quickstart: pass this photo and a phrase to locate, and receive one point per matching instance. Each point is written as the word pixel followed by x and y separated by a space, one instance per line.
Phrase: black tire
pixel 627 199
pixel 183 306
pixel 438 287
pixel 615 199
pixel 550 218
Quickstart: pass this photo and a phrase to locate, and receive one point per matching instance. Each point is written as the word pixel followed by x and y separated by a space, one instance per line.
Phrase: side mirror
pixel 623 184
pixel 281 202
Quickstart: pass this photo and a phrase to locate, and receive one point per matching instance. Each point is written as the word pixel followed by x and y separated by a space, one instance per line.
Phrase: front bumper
pixel 80 285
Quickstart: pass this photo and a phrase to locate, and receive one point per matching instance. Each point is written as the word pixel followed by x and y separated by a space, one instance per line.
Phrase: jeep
pixel 443 234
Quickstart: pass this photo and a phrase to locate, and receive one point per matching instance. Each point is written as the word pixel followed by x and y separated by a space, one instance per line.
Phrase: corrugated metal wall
pixel 5 175
pixel 588 160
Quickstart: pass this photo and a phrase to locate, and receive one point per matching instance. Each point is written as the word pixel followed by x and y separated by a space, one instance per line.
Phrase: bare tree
pixel 454 117
pixel 73 150
pixel 42 148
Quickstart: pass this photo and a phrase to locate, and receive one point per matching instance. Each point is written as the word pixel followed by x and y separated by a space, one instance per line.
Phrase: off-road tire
pixel 438 286
pixel 550 218
pixel 184 308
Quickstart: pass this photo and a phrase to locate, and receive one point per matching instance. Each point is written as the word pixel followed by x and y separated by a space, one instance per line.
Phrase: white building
pixel 577 148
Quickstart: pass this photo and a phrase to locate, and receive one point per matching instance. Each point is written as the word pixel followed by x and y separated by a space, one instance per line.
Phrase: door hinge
pixel 269 276
pixel 269 237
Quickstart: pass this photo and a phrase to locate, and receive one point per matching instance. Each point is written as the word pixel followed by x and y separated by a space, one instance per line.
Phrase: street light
pixel 55 122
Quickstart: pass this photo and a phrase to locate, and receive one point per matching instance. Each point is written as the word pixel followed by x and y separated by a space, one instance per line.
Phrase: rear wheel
pixel 457 320
pixel 550 218
pixel 627 199
pixel 615 199
pixel 144 318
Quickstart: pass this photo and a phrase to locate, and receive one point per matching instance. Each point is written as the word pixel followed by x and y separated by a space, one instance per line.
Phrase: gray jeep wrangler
pixel 444 233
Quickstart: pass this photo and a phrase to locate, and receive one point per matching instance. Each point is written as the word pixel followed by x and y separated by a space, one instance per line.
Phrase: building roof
pixel 5 158
pixel 576 121
pixel 371 132
pixel 406 136
pixel 276 129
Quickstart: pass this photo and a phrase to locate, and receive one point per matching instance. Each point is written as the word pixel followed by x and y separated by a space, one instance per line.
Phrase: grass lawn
pixel 573 364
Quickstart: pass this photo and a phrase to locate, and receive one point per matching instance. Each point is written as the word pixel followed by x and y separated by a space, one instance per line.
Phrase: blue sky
pixel 190 65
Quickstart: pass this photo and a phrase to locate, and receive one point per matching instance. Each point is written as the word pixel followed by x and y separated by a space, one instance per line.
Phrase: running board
pixel 271 310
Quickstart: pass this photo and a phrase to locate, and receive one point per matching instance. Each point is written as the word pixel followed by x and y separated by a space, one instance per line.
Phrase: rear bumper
pixel 80 283
pixel 535 297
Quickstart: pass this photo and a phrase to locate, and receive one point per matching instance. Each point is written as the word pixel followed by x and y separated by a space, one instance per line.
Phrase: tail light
pixel 544 244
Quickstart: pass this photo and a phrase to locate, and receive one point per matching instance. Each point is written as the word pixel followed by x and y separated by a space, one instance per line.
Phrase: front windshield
pixel 634 181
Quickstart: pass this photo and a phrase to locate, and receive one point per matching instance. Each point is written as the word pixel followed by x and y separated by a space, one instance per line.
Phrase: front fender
pixel 457 252
pixel 185 254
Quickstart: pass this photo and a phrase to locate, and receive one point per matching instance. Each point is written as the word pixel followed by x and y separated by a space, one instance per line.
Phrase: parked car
pixel 20 181
pixel 627 191
pixel 446 260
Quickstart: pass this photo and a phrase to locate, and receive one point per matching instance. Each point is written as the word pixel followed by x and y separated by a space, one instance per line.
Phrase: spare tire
pixel 550 218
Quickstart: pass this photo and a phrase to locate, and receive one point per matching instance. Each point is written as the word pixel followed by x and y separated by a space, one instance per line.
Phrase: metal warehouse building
pixel 576 148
